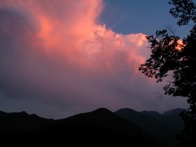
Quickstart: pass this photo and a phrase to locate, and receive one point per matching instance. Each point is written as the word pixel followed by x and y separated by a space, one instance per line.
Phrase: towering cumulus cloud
pixel 55 52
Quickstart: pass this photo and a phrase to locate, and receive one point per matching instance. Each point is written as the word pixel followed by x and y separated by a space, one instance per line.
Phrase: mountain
pixel 99 127
pixel 174 112
pixel 22 122
pixel 171 117
pixel 103 126
pixel 165 126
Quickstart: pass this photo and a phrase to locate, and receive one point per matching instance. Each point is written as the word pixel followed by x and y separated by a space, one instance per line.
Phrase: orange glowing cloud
pixel 69 55
pixel 69 30
pixel 114 52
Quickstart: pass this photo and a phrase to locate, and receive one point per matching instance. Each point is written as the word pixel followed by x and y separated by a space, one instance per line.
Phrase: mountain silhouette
pixel 22 122
pixel 164 126
pixel 174 112
pixel 170 117
pixel 102 127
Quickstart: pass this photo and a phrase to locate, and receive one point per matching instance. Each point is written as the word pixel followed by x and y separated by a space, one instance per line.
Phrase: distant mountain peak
pixel 126 109
pixel 23 113
pixel 101 110
pixel 155 112
pixel 175 111
pixel 1 112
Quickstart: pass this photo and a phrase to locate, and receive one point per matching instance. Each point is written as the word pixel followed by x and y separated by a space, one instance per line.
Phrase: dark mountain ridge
pixel 22 122
pixel 102 126
pixel 164 126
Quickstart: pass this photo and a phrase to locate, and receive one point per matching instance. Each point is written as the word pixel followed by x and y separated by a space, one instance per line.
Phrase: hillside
pixel 101 126
pixel 164 126
pixel 22 122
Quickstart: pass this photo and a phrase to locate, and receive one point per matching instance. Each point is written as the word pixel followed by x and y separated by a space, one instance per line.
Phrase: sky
pixel 63 57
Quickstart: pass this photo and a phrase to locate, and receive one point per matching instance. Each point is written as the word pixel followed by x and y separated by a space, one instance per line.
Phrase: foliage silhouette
pixel 174 59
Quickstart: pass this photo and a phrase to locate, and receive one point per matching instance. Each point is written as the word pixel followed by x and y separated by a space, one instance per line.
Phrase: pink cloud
pixel 56 53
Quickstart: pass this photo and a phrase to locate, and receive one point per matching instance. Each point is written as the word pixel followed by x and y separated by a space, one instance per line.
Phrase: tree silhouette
pixel 174 60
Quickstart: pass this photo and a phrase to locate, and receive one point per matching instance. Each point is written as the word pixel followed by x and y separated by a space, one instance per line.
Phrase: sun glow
pixel 180 45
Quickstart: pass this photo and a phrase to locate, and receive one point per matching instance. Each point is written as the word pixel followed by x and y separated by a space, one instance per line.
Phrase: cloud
pixel 56 53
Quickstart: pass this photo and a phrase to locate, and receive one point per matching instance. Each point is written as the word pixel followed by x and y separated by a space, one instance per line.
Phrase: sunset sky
pixel 62 57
